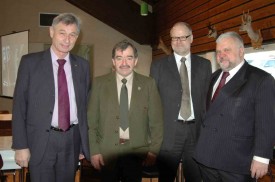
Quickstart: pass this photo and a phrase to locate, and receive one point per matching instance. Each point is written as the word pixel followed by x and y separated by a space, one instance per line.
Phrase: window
pixel 264 60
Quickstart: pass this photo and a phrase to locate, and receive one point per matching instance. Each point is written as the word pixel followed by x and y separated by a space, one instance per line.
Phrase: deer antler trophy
pixel 212 31
pixel 163 47
pixel 255 37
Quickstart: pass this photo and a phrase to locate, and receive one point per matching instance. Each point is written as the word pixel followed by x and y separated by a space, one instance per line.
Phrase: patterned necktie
pixel 63 98
pixel 123 106
pixel 185 109
pixel 221 84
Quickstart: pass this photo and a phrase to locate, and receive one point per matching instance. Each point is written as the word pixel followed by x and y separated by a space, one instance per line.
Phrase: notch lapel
pixel 47 77
pixel 75 68
pixel 230 87
pixel 172 66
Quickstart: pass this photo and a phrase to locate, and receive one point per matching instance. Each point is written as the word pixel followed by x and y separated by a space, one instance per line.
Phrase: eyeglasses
pixel 182 38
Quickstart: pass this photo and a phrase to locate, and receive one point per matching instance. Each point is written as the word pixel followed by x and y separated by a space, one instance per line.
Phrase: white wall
pixel 18 15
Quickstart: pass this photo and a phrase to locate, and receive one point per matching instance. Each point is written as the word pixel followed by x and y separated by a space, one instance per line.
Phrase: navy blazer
pixel 34 99
pixel 240 123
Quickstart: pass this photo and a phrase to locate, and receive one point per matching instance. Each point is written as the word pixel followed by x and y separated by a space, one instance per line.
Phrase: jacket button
pixel 47 130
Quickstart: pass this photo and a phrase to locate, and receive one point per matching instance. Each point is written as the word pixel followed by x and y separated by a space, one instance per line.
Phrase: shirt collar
pixel 129 78
pixel 233 71
pixel 187 62
pixel 55 57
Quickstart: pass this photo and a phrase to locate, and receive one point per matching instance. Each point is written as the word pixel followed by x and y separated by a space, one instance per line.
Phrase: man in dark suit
pixel 118 150
pixel 237 133
pixel 49 123
pixel 181 132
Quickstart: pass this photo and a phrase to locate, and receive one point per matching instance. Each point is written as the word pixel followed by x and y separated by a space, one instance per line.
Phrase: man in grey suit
pixel 237 133
pixel 120 150
pixel 49 123
pixel 180 131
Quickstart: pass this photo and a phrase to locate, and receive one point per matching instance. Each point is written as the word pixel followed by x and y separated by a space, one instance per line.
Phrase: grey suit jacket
pixel 167 77
pixel 34 99
pixel 145 117
pixel 240 123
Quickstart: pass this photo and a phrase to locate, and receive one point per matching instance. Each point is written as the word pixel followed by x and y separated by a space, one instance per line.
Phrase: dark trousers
pixel 168 161
pixel 215 175
pixel 60 160
pixel 125 168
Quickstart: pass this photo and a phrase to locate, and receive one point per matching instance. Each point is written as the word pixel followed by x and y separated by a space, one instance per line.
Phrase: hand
pixel 81 156
pixel 22 157
pixel 258 169
pixel 150 159
pixel 97 161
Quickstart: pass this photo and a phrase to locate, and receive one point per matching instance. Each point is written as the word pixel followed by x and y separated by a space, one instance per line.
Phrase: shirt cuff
pixel 261 159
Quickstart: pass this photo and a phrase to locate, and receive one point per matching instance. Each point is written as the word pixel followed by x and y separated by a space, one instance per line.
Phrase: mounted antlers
pixel 212 31
pixel 163 47
pixel 255 37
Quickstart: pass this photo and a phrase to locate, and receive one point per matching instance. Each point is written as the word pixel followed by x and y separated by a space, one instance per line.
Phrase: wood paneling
pixel 224 14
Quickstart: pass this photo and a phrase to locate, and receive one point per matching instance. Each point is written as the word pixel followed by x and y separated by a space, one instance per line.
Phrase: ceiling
pixel 122 15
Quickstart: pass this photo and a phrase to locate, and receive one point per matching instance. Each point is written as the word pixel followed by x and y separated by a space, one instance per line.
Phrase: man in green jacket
pixel 121 141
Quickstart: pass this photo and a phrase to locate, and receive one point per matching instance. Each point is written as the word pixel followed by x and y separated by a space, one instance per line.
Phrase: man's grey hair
pixel 233 35
pixel 67 19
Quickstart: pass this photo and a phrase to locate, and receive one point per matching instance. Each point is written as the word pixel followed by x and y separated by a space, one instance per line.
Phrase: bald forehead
pixel 180 27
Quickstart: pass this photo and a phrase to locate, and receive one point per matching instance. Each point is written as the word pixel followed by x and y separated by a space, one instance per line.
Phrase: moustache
pixel 124 66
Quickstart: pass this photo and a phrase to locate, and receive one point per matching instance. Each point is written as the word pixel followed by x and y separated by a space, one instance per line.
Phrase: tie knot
pixel 225 75
pixel 183 59
pixel 61 62
pixel 124 81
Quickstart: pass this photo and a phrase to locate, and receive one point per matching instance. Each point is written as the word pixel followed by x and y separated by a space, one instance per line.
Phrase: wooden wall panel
pixel 224 14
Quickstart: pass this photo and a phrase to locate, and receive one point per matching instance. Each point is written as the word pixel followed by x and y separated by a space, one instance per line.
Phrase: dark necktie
pixel 221 84
pixel 123 106
pixel 185 109
pixel 63 98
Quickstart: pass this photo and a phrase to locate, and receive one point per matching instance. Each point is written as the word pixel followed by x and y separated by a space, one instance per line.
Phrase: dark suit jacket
pixel 145 117
pixel 34 99
pixel 167 77
pixel 240 123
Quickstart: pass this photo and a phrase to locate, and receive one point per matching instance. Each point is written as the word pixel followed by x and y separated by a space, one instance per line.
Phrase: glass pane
pixel 264 60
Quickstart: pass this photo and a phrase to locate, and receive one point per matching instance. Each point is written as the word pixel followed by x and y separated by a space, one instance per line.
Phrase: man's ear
pixel 51 31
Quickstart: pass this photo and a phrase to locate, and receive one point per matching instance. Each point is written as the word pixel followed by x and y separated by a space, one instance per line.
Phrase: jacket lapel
pixel 75 68
pixel 213 80
pixel 172 66
pixel 195 71
pixel 112 91
pixel 136 91
pixel 47 68
pixel 230 87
